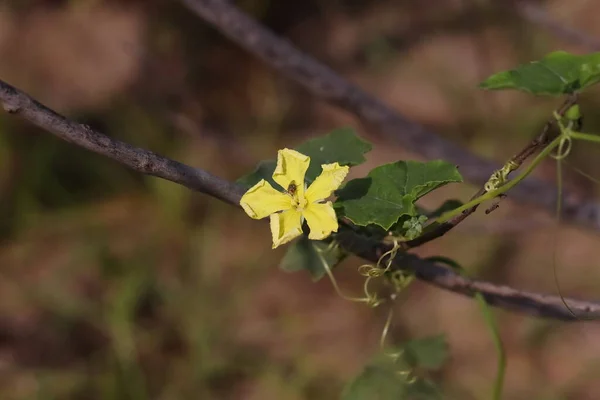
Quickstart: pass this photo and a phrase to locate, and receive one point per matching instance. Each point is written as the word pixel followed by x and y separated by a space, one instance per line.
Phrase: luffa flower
pixel 289 209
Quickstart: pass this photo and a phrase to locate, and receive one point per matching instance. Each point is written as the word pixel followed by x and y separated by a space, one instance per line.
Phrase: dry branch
pixel 18 103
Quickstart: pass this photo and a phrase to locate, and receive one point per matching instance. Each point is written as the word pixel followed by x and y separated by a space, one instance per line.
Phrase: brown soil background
pixel 115 285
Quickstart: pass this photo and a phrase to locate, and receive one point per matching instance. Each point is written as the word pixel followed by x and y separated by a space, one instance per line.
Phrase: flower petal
pixel 291 167
pixel 321 220
pixel 262 200
pixel 285 226
pixel 330 179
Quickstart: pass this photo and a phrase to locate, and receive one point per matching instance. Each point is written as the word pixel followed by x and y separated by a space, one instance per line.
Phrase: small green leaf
pixel 379 380
pixel 390 191
pixel 556 74
pixel 341 145
pixel 429 353
pixel 385 377
pixel 413 227
pixel 423 389
pixel 309 255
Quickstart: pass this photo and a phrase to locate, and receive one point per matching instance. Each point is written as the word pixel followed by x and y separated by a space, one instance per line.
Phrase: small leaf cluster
pixel 389 375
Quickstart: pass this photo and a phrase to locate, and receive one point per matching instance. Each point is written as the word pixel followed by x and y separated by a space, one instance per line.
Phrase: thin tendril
pixel 386 328
pixel 407 373
pixel 399 280
pixel 335 285
pixel 563 152
pixel 582 173
pixel 558 208
pixel 376 271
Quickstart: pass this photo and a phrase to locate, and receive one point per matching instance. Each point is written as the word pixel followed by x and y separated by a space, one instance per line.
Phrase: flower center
pixel 298 203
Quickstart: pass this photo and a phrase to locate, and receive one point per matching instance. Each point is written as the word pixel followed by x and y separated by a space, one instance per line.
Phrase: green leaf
pixel 379 380
pixel 390 191
pixel 382 379
pixel 428 353
pixel 341 145
pixel 556 74
pixel 423 389
pixel 309 255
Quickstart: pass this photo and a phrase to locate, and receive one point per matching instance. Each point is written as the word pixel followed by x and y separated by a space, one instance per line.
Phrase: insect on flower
pixel 289 209
pixel 291 190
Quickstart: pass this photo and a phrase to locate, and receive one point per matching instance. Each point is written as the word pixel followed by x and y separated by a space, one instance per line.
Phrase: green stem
pixel 490 322
pixel 506 187
pixel 585 136
pixel 492 325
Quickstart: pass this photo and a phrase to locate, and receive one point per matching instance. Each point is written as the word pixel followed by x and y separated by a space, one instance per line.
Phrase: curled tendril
pixel 376 270
pixel 564 148
pixel 407 373
pixel 566 141
pixel 370 271
pixel 337 289
pixel 399 280
pixel 408 376
pixel 500 177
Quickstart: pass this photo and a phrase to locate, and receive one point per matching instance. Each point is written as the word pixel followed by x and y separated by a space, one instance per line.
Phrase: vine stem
pixel 510 184
pixel 585 136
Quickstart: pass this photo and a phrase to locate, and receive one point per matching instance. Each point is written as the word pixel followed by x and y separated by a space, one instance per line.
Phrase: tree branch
pixel 325 84
pixel 536 304
pixel 16 102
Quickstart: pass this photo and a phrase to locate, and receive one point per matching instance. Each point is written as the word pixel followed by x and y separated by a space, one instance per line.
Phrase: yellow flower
pixel 288 210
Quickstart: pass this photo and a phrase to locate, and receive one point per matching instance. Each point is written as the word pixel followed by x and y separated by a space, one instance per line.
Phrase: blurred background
pixel 115 285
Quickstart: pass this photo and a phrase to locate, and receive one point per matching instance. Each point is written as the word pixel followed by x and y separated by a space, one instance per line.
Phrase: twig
pixel 542 139
pixel 517 160
pixel 141 160
pixel 495 205
pixel 16 102
pixel 325 84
